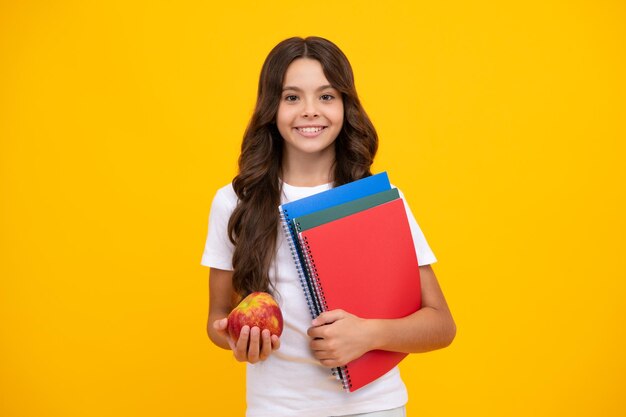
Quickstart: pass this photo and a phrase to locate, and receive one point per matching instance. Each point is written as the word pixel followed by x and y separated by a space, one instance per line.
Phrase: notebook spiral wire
pixel 341 372
pixel 289 234
pixel 312 270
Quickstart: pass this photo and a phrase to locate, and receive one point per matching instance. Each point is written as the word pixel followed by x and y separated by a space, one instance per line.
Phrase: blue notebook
pixel 320 201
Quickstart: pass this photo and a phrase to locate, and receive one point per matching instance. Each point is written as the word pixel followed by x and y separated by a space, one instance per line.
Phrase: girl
pixel 308 133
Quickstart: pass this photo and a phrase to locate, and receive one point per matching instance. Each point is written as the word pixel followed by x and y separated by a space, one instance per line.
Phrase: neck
pixel 308 170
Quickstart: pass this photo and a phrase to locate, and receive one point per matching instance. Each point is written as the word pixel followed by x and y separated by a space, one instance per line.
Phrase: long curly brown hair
pixel 254 223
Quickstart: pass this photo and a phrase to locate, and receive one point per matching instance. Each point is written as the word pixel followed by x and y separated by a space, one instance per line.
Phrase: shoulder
pixel 224 202
pixel 424 254
pixel 225 197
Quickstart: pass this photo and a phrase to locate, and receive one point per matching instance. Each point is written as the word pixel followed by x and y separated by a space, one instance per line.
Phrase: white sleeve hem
pixel 213 261
pixel 427 260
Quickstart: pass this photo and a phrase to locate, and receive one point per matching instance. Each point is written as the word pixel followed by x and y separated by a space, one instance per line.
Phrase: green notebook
pixel 317 218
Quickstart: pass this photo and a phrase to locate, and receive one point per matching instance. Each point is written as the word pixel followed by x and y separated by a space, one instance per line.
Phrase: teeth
pixel 310 129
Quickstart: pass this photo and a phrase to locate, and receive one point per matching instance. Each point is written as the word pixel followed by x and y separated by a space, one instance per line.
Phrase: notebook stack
pixel 353 249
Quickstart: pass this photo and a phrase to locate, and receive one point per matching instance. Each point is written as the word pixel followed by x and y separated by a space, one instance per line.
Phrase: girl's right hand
pixel 253 345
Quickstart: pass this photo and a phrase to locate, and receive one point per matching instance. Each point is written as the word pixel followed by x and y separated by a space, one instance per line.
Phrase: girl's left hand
pixel 338 337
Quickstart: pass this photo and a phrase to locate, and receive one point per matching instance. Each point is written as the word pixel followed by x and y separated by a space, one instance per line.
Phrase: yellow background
pixel 503 123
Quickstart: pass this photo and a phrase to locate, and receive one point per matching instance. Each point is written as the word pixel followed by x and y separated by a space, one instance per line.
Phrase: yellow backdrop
pixel 503 123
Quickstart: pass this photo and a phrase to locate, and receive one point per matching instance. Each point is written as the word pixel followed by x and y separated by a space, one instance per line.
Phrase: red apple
pixel 258 309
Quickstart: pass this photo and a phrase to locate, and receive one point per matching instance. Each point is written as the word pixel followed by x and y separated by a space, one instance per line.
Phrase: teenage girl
pixel 308 133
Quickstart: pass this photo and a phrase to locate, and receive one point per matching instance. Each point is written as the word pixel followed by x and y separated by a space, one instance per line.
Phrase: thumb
pixel 220 324
pixel 328 317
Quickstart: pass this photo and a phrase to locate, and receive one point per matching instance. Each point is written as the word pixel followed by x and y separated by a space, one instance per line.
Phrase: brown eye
pixel 291 98
pixel 327 97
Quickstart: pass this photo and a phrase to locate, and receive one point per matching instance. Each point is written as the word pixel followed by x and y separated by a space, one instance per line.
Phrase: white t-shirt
pixel 291 382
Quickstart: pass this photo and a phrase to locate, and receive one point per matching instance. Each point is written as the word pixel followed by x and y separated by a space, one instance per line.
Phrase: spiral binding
pixel 310 268
pixel 341 373
pixel 346 380
pixel 289 234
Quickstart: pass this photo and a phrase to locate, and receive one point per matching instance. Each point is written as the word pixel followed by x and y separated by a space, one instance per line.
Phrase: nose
pixel 309 109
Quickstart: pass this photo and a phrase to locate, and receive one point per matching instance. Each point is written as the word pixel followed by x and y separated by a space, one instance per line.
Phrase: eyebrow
pixel 294 88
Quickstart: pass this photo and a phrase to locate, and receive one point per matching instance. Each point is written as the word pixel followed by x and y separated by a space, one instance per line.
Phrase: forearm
pixel 221 299
pixel 426 330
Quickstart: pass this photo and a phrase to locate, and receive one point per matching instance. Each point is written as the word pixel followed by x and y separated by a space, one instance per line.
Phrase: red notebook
pixel 366 264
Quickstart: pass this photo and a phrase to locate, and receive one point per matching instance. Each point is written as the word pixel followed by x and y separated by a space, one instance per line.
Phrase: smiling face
pixel 310 114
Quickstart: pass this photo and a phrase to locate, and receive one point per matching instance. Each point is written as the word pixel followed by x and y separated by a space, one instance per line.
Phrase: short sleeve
pixel 218 249
pixel 425 255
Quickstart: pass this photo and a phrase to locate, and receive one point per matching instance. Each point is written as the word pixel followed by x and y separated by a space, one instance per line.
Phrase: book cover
pixel 365 263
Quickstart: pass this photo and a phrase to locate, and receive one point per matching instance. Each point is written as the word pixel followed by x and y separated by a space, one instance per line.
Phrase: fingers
pixel 324 352
pixel 320 332
pixel 328 317
pixel 254 345
pixel 320 325
pixel 316 332
pixel 332 338
pixel 266 345
pixel 327 358
pixel 318 344
pixel 275 342
pixel 330 363
pixel 241 346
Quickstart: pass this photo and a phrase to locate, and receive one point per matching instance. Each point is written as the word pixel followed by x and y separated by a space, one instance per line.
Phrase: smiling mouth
pixel 310 130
